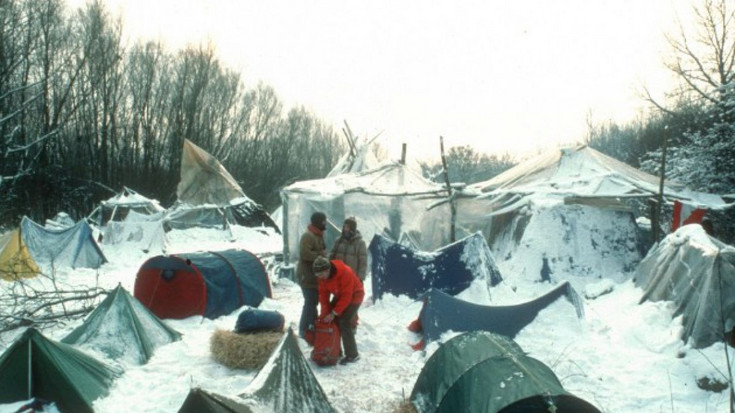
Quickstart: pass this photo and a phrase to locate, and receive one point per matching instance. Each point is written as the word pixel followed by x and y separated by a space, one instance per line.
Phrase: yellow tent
pixel 15 260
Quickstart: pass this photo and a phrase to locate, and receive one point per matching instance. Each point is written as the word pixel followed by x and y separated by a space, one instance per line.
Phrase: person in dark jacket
pixel 350 248
pixel 340 296
pixel 311 246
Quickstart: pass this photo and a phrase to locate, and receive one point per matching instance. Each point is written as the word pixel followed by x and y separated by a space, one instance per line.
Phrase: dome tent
pixel 201 283
pixel 121 327
pixel 489 373
pixel 55 371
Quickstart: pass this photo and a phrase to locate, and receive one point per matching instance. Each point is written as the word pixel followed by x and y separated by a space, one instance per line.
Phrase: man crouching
pixel 340 296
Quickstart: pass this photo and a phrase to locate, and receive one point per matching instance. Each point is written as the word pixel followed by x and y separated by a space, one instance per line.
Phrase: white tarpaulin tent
pixel 208 196
pixel 697 273
pixel 118 207
pixel 564 194
pixel 387 200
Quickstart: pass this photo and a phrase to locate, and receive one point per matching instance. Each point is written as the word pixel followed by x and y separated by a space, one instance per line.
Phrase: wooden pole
pixel 452 205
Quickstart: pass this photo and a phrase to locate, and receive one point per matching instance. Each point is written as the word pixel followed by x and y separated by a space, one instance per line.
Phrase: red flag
pixel 686 214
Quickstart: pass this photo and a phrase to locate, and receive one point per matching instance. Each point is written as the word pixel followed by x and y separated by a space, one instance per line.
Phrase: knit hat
pixel 320 264
pixel 318 218
pixel 352 223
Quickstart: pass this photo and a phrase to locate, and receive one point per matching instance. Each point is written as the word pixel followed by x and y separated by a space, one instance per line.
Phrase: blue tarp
pixel 401 270
pixel 73 246
pixel 442 312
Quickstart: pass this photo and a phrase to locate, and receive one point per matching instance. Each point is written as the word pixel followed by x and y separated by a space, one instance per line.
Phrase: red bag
pixel 327 345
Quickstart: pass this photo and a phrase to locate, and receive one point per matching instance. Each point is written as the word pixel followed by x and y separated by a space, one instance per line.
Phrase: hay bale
pixel 243 351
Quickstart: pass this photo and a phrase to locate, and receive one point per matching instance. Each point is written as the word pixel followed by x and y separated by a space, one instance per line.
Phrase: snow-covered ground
pixel 622 357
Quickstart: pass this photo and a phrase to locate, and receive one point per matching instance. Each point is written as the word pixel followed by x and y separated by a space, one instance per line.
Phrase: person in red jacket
pixel 340 296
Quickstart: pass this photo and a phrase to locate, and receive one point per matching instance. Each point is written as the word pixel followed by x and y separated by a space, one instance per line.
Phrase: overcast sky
pixel 498 75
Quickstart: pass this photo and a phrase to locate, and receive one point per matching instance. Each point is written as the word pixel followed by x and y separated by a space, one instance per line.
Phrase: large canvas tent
pixel 442 312
pixel 209 283
pixel 73 247
pixel 401 270
pixel 386 200
pixel 487 373
pixel 576 198
pixel 123 329
pixel 286 383
pixel 697 273
pixel 208 196
pixel 34 366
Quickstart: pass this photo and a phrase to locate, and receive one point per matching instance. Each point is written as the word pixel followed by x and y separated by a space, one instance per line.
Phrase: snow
pixel 622 357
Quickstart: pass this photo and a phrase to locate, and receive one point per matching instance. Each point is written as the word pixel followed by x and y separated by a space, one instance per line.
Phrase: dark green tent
pixel 123 328
pixel 200 401
pixel 487 373
pixel 35 366
pixel 286 383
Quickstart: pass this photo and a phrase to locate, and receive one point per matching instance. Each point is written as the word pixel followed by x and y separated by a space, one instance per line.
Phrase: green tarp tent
pixel 200 401
pixel 286 383
pixel 35 366
pixel 487 373
pixel 123 328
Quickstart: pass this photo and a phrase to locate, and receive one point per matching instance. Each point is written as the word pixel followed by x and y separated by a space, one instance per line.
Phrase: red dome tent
pixel 202 283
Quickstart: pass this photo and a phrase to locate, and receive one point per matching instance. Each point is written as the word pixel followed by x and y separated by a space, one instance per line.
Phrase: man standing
pixel 340 296
pixel 311 246
pixel 350 248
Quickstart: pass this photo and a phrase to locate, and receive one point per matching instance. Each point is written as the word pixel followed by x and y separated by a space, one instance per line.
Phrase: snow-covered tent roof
pixel 208 196
pixel 359 158
pixel 286 383
pixel 122 328
pixel 117 207
pixel 582 172
pixel 697 273
pixel 385 200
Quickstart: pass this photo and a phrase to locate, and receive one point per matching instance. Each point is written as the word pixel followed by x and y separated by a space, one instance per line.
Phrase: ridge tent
pixel 442 312
pixel 15 259
pixel 697 273
pixel 34 366
pixel 208 196
pixel 68 247
pixel 570 202
pixel 487 373
pixel 202 401
pixel 286 383
pixel 122 328
pixel 386 200
pixel 398 269
pixel 118 207
pixel 145 231
pixel 209 283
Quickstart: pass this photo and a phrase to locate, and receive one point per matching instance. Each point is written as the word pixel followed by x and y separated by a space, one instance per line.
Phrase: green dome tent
pixel 487 373
pixel 35 366
pixel 123 328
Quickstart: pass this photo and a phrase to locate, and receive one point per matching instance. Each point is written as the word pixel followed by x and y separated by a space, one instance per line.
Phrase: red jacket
pixel 344 285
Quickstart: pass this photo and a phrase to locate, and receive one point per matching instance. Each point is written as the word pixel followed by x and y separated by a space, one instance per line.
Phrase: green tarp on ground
pixel 35 366
pixel 484 372
pixel 286 383
pixel 123 329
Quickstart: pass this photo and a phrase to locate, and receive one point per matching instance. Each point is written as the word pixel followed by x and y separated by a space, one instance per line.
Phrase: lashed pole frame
pixel 450 192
